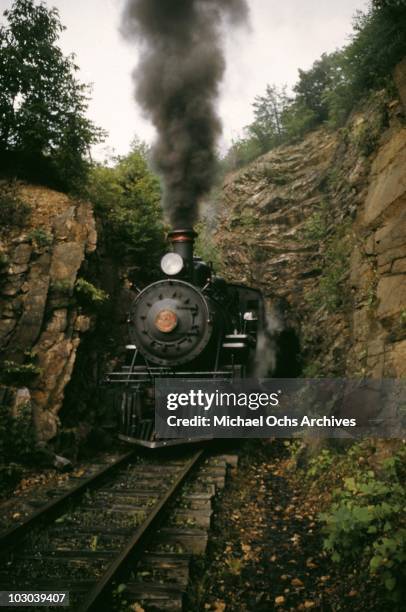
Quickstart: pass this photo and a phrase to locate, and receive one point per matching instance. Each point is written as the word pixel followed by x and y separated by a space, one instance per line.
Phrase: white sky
pixel 283 36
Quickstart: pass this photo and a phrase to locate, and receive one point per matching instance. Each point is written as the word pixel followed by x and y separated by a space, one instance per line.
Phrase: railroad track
pixel 123 536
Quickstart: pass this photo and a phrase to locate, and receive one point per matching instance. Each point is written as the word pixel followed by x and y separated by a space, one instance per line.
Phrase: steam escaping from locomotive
pixel 177 84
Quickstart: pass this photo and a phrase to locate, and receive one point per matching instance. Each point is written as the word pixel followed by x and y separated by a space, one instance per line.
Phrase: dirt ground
pixel 266 548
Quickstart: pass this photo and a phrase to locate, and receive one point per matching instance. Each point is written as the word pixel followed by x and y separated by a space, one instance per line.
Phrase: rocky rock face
pixel 40 321
pixel 320 227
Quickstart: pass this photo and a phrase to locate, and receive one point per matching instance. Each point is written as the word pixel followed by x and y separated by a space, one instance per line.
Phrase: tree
pixel 378 44
pixel 315 85
pixel 242 151
pixel 127 199
pixel 331 88
pixel 267 127
pixel 43 106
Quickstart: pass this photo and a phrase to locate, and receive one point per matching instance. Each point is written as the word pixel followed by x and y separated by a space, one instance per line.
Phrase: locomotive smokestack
pixel 177 84
pixel 182 242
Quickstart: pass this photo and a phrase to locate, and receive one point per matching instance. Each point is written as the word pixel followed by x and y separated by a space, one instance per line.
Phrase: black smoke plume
pixel 177 83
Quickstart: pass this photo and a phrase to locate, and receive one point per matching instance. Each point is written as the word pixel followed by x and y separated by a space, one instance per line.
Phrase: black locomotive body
pixel 189 324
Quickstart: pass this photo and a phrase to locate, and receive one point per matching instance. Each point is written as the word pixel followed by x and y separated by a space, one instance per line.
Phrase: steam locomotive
pixel 189 324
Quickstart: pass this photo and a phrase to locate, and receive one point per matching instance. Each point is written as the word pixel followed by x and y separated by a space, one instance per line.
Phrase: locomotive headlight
pixel 171 264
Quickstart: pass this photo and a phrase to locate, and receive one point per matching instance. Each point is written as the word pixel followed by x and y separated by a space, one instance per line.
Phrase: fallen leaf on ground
pixel 279 600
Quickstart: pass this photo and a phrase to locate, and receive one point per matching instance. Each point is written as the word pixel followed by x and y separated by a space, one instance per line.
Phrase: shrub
pixel 4 260
pixel 61 287
pixel 242 151
pixel 17 434
pixel 274 176
pixel 207 249
pixel 88 294
pixel 330 292
pixel 319 464
pixel 127 201
pixel 314 370
pixel 316 226
pixel 247 220
pixel 40 237
pixel 366 521
pixel 19 374
pixel 13 210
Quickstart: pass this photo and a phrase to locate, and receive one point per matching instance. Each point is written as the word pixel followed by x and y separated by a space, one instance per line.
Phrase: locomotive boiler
pixel 189 324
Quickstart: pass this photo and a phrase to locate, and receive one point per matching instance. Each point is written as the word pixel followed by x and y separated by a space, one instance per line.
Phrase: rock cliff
pixel 320 227
pixel 40 321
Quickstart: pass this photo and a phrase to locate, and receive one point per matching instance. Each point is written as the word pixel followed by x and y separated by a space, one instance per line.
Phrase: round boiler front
pixel 171 323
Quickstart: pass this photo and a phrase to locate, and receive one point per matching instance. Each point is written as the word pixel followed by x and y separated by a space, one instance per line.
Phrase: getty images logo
pixel 218 399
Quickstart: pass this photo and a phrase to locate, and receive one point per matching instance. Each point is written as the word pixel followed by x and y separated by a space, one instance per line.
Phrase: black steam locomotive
pixel 189 324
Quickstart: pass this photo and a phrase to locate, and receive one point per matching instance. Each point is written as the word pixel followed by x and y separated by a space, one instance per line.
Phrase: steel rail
pixel 94 600
pixel 51 510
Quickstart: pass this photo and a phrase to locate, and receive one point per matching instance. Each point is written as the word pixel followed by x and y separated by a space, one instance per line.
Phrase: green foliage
pixel 367 140
pixel 127 201
pixel 17 435
pixel 61 287
pixel 331 88
pixel 44 129
pixel 315 85
pixel 13 210
pixel 243 150
pixel 207 249
pixel 319 464
pixel 88 294
pixel 247 220
pixel 378 44
pixel 316 226
pixel 330 292
pixel 314 370
pixel 18 374
pixel 40 237
pixel 298 119
pixel 268 127
pixel 4 260
pixel 366 522
pixel 274 176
